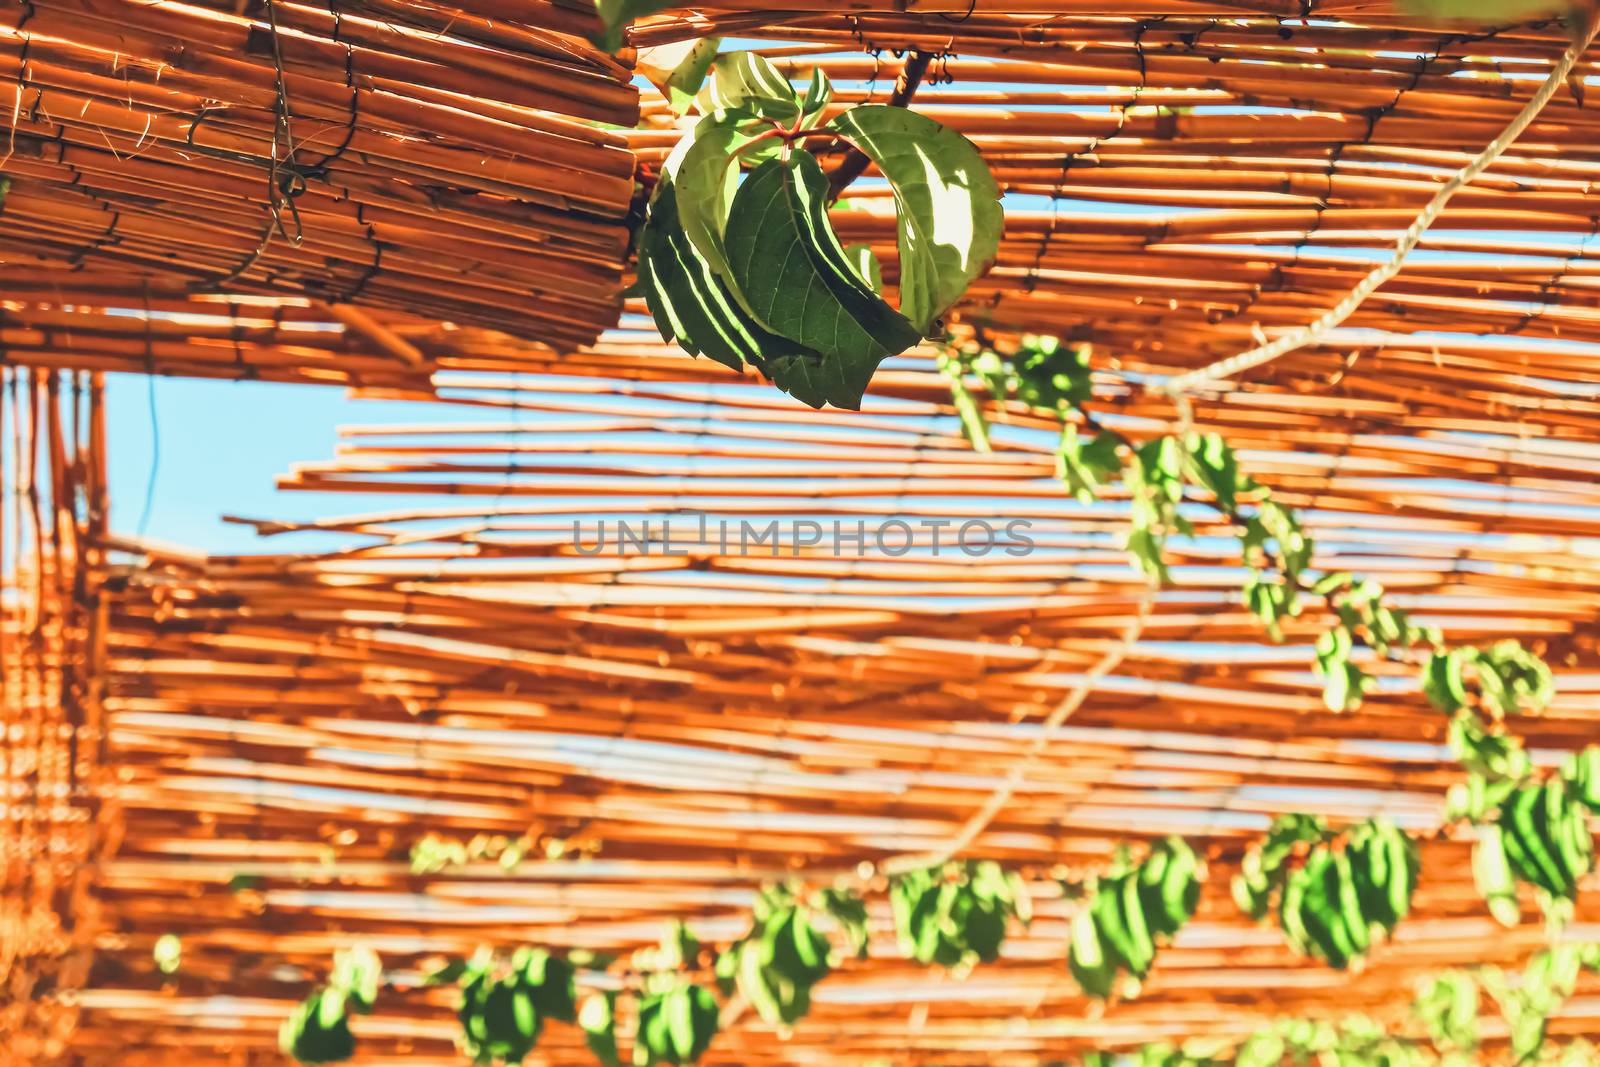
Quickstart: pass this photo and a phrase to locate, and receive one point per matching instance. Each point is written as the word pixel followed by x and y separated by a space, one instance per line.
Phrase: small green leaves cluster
pixel 1356 1041
pixel 957 914
pixel 1448 1005
pixel 1527 1003
pixel 1159 1054
pixel 1129 913
pixel 1163 473
pixel 1040 372
pixel 433 853
pixel 1503 679
pixel 752 273
pixel 318 1030
pixel 1332 897
pixel 1447 1008
pixel 1363 618
pixel 1530 828
pixel 503 1004
pixel 785 953
pixel 1539 835
pixel 677 1021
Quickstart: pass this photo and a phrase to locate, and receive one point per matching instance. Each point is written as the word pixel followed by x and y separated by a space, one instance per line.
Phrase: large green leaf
pixel 691 304
pixel 786 260
pixel 949 204
pixel 706 177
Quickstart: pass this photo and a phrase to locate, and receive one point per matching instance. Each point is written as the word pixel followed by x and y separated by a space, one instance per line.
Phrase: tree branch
pixel 855 163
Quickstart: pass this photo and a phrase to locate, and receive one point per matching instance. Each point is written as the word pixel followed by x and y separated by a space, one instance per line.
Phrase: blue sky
pixel 222 446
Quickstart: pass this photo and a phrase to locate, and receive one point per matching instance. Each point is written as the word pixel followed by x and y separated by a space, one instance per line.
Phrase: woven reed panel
pixel 698 724
pixel 448 160
pixel 103 327
pixel 52 633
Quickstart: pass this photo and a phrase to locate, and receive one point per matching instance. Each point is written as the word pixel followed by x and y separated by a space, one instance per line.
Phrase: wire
pixel 155 423
pixel 155 457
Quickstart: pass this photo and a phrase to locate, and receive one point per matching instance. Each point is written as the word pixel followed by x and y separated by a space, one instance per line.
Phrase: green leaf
pixel 746 81
pixel 357 972
pixel 866 265
pixel 615 15
pixel 1050 376
pixel 1087 464
pixel 1487 12
pixel 1513 680
pixel 598 1020
pixel 330 1008
pixel 850 912
pixel 1344 683
pixel 704 178
pixel 680 1022
pixel 1270 601
pixel 1146 547
pixel 1094 968
pixel 549 980
pixel 1213 465
pixel 1442 683
pixel 168 953
pixel 819 94
pixel 679 947
pixel 691 305
pixel 1448 1005
pixel 788 264
pixel 1330 583
pixel 1492 874
pixel 1495 756
pixel 1582 772
pixel 948 204
pixel 678 69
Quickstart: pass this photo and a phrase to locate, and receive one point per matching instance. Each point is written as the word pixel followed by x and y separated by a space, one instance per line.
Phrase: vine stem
pixel 979 821
pixel 1306 335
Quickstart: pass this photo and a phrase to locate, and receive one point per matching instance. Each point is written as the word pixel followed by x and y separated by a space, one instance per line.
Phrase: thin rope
pixel 979 821
pixel 1306 335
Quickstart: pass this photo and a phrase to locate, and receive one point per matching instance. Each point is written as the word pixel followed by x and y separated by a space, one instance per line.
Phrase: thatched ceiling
pixel 1209 173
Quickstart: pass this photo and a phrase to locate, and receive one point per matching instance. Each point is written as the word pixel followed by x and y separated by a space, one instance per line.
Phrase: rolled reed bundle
pixel 464 176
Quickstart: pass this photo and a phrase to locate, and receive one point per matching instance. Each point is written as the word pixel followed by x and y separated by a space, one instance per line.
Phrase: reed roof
pixel 691 726
pixel 437 158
